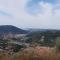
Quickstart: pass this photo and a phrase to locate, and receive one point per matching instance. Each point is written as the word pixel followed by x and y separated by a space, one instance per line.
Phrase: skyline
pixel 43 14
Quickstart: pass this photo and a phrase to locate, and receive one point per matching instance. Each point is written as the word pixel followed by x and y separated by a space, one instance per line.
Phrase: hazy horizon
pixel 42 14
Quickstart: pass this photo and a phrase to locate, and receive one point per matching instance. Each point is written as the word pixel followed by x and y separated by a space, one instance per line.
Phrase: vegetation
pixel 3 43
pixel 5 29
pixel 17 48
pixel 42 46
pixel 43 38
pixel 33 53
pixel 58 44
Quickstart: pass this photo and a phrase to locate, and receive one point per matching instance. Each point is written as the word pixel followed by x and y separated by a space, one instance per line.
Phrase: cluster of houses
pixel 11 36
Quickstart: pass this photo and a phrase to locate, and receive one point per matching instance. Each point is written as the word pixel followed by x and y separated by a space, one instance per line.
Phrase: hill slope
pixel 11 29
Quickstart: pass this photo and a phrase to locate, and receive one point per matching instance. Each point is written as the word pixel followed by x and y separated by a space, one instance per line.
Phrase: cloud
pixel 36 15
pixel 34 6
pixel 2 13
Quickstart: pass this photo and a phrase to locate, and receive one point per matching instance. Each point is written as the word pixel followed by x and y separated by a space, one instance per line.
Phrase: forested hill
pixel 11 29
pixel 45 32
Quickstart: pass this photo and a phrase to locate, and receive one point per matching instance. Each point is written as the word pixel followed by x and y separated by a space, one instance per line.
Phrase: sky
pixel 30 13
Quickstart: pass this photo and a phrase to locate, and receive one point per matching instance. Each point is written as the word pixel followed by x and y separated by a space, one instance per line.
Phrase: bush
pixel 58 44
pixel 17 48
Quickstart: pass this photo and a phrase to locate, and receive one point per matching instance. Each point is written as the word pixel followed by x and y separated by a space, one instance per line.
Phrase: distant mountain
pixel 33 32
pixel 11 29
pixel 42 30
pixel 35 29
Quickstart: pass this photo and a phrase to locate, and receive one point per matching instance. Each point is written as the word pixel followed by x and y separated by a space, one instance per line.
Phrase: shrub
pixel 17 48
pixel 58 44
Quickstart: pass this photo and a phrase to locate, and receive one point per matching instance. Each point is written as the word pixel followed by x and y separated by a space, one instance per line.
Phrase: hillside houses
pixel 11 36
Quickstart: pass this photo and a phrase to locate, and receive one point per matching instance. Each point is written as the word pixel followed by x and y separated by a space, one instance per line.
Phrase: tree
pixel 58 44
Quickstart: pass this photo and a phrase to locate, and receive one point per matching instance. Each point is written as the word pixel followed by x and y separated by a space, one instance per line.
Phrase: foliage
pixel 3 43
pixel 38 53
pixel 33 53
pixel 58 44
pixel 17 48
pixel 48 40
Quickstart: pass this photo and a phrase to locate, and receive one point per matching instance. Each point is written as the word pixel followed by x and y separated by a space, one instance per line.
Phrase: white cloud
pixel 21 18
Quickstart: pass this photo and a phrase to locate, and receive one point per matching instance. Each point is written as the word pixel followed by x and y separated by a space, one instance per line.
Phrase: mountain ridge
pixel 11 29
